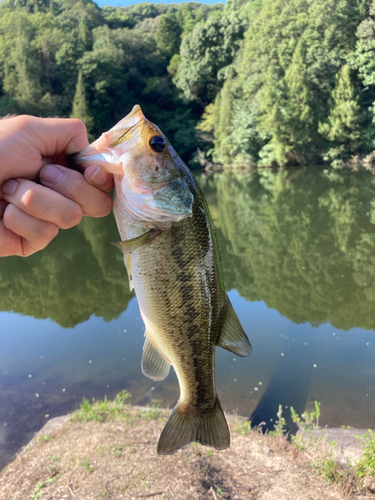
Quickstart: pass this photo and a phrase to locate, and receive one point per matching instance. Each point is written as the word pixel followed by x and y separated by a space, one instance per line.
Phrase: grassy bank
pixel 107 449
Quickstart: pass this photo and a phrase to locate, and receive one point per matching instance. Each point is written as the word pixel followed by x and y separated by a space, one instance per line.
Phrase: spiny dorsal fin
pixel 184 427
pixel 131 245
pixel 233 337
pixel 154 364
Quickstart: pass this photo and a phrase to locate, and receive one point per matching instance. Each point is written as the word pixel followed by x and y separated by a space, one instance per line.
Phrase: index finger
pixel 53 136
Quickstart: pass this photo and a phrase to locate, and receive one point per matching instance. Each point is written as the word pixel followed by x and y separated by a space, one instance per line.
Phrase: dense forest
pixel 250 82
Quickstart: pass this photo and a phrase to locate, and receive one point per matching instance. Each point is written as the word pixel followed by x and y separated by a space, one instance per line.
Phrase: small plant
pixel 208 453
pixel 44 438
pixel 151 413
pixel 366 465
pixel 87 467
pixel 243 428
pixel 219 492
pixel 101 410
pixel 280 424
pixel 312 419
pixel 307 419
pixel 329 469
pixel 53 461
pixel 37 493
pixel 116 451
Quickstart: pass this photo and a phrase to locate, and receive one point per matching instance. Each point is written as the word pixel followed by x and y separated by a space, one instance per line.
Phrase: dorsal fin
pixel 233 337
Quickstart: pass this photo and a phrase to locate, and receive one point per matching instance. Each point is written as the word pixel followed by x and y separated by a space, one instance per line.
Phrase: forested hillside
pixel 71 58
pixel 249 82
pixel 287 82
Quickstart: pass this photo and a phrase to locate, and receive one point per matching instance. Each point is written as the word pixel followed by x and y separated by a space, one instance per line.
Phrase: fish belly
pixel 176 282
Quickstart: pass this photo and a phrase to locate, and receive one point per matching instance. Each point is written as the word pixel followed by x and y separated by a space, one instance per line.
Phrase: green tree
pixel 168 34
pixel 288 114
pixel 204 53
pixel 80 105
pixel 292 53
pixel 343 128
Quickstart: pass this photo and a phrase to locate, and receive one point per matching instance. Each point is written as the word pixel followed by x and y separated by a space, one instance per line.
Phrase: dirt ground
pixel 117 460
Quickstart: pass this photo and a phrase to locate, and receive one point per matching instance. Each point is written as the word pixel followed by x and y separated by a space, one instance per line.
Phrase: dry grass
pixel 117 459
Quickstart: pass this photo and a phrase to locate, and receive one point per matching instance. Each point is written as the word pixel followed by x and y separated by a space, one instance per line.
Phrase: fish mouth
pixel 153 199
pixel 123 137
pixel 110 146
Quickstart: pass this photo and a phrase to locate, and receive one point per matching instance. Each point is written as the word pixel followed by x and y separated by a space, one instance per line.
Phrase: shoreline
pixel 116 458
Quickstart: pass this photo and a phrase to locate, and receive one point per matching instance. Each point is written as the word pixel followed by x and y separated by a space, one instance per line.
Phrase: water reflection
pixel 302 241
pixel 78 275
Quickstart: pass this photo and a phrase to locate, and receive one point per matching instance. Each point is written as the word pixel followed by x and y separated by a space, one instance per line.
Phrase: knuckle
pixel 48 231
pixel 102 208
pixel 73 216
pixel 24 121
pixel 78 126
pixel 76 184
pixel 107 206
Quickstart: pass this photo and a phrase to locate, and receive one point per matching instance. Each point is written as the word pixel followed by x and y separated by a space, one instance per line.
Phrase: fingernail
pixel 51 174
pixel 96 175
pixel 9 187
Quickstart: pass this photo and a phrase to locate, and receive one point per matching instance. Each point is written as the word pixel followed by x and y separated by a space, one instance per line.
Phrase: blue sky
pixel 122 3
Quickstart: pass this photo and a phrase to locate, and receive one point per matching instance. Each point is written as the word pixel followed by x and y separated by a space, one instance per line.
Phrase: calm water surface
pixel 298 251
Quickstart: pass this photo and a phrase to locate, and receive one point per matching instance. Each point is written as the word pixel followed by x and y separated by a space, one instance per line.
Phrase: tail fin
pixel 210 429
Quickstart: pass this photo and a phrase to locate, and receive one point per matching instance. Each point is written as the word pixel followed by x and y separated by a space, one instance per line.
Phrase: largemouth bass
pixel 173 262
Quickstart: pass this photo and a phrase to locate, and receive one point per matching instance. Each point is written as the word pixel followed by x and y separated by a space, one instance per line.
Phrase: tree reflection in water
pixel 303 241
pixel 78 275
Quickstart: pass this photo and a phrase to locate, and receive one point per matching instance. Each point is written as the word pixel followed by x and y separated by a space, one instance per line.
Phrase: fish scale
pixel 173 262
pixel 180 313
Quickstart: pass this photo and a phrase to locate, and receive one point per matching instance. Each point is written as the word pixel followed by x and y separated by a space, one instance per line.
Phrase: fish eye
pixel 157 144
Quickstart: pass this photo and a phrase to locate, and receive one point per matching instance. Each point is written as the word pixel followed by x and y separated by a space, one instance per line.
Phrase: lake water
pixel 298 251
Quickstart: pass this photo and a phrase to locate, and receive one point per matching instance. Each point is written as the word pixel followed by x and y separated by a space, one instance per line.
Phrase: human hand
pixel 31 214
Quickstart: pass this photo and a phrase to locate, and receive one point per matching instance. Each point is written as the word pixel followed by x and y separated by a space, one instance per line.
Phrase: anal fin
pixel 154 364
pixel 233 337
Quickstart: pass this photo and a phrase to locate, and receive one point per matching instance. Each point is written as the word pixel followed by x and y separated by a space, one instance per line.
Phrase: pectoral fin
pixel 131 245
pixel 154 364
pixel 233 337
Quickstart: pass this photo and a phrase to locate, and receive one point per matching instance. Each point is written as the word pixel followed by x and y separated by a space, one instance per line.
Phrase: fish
pixel 174 265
